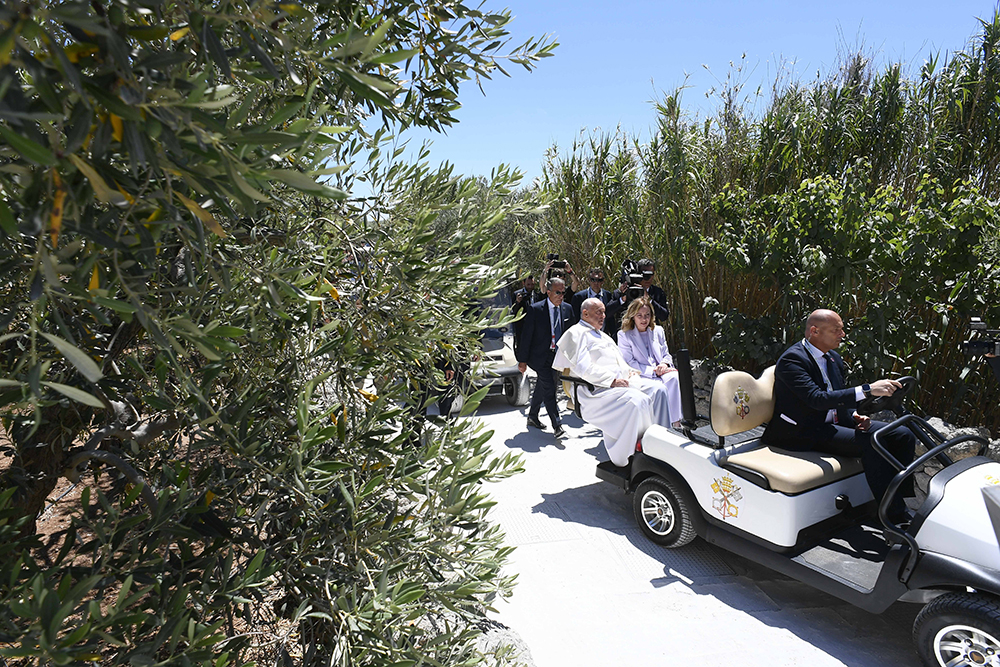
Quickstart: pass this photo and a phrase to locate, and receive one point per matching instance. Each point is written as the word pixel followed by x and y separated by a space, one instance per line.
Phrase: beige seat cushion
pixel 795 472
pixel 740 402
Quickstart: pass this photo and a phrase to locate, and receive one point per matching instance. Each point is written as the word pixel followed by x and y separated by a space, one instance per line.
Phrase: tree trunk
pixel 40 459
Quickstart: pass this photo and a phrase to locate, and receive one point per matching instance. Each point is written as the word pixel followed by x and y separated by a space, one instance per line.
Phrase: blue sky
pixel 615 57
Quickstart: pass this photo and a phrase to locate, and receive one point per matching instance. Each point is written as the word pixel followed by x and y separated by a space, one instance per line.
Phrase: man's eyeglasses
pixel 558 293
pixel 597 280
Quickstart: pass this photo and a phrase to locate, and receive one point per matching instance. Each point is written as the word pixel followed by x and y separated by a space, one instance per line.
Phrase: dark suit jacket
pixel 801 399
pixel 616 309
pixel 516 308
pixel 581 296
pixel 536 335
pixel 527 298
pixel 661 310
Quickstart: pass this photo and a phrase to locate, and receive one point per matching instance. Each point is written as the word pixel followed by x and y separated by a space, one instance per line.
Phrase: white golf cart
pixel 812 516
pixel 496 366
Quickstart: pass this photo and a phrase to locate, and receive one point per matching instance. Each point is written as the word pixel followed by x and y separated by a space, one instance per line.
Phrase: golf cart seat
pixel 571 385
pixel 741 404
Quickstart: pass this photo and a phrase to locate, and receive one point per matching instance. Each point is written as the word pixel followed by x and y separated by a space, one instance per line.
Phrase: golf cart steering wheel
pixel 874 404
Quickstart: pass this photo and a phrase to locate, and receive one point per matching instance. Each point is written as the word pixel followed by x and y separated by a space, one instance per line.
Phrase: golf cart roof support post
pixel 685 379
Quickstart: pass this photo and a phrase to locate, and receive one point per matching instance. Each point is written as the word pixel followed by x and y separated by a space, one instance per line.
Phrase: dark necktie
pixel 833 372
pixel 836 382
pixel 556 327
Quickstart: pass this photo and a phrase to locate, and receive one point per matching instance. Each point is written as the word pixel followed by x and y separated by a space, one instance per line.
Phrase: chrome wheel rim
pixel 657 512
pixel 964 645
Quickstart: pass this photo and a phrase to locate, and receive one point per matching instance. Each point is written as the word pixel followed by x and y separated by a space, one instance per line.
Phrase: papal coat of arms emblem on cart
pixel 742 400
pixel 727 495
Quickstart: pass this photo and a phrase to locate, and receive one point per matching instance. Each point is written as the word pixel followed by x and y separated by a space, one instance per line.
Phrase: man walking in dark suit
pixel 596 291
pixel 544 323
pixel 813 410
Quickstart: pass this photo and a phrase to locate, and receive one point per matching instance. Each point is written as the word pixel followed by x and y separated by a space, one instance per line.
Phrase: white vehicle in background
pixel 812 517
pixel 496 366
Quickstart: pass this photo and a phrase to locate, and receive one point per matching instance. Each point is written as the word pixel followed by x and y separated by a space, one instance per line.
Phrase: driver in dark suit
pixel 813 410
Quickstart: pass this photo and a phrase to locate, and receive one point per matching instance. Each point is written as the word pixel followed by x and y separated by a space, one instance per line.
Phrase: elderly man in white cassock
pixel 622 404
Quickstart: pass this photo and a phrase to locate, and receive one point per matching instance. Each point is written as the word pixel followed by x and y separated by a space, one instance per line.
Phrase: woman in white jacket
pixel 644 348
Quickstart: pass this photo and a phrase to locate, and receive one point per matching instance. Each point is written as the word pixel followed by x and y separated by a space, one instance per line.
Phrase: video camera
pixel 633 277
pixel 981 340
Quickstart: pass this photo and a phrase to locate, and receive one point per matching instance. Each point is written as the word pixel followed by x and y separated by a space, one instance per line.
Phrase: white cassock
pixel 645 351
pixel 622 413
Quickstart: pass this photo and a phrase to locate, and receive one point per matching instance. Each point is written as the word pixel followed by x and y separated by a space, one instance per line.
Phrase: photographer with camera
pixel 595 278
pixel 636 281
pixel 558 268
pixel 659 298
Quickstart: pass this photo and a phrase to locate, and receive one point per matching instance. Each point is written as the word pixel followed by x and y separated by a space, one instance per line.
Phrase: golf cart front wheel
pixel 959 629
pixel 661 514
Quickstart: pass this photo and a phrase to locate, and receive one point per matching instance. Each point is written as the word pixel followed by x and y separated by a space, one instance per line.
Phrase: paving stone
pixel 695 561
pixel 524 526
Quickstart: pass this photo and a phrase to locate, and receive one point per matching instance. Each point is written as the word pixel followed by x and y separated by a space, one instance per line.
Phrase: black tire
pixel 959 629
pixel 517 389
pixel 662 514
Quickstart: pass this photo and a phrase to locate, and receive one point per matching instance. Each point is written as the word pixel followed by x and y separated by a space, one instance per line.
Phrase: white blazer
pixel 637 356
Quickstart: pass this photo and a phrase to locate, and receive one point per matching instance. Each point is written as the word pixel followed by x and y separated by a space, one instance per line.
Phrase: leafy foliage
pixel 192 294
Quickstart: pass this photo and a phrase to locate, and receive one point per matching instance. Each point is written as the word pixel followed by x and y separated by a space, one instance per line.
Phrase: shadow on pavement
pixel 495 404
pixel 530 439
pixel 855 637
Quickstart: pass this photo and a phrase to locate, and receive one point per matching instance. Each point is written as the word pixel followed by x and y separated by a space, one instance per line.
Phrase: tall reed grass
pixel 764 210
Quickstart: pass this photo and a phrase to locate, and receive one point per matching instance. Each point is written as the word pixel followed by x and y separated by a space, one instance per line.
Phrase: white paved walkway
pixel 593 592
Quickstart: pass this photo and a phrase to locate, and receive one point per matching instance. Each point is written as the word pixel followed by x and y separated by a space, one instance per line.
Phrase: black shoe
pixel 560 431
pixel 533 422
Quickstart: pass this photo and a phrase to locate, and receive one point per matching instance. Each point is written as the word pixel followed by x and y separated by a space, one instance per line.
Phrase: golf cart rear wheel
pixel 517 389
pixel 959 629
pixel 661 514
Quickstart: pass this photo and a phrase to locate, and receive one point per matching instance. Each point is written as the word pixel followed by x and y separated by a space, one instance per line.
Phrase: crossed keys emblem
pixel 729 495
